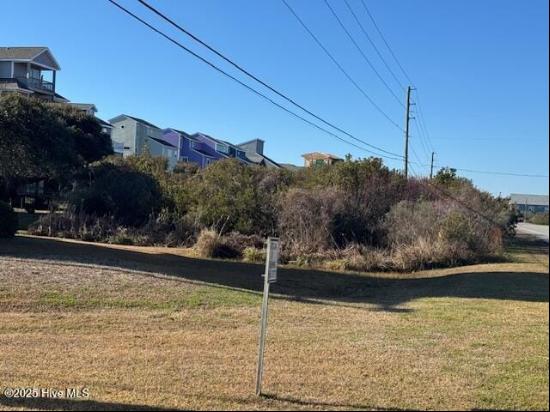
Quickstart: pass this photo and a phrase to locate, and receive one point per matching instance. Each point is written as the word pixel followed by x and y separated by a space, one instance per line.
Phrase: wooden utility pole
pixel 407 119
pixel 432 166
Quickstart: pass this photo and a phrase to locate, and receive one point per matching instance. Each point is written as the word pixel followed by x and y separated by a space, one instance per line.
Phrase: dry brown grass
pixel 143 338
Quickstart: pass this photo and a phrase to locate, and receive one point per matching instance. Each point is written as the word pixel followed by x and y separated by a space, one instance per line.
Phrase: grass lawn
pixel 146 328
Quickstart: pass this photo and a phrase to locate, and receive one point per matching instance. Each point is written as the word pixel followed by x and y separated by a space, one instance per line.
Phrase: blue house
pixel 202 149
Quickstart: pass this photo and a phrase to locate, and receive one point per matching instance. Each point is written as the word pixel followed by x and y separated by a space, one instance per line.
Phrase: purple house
pixel 202 149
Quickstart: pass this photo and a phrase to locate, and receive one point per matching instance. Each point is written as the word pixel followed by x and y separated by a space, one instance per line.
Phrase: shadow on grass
pixel 328 405
pixel 52 404
pixel 297 284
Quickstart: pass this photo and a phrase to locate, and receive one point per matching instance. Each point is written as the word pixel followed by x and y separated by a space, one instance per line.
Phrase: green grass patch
pixel 203 297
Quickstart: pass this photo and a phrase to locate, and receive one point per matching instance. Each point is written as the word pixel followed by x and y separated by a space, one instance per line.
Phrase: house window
pixel 223 148
pixel 184 159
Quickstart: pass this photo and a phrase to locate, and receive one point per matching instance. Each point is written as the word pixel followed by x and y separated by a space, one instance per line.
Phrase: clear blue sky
pixel 481 69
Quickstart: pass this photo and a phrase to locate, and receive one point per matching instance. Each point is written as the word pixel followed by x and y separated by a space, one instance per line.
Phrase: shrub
pixel 211 245
pixel 227 196
pixel 425 254
pixel 129 196
pixel 8 220
pixel 308 219
pixel 539 219
pixel 252 254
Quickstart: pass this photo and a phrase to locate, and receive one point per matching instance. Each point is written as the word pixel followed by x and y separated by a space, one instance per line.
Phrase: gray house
pixel 132 136
pixel 529 203
pixel 90 109
pixel 29 71
pixel 254 151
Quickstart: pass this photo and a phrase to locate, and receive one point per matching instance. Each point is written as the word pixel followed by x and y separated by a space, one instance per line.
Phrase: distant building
pixel 254 152
pixel 190 149
pixel 529 203
pixel 319 159
pixel 30 71
pixel 133 136
pixel 90 109
pixel 202 149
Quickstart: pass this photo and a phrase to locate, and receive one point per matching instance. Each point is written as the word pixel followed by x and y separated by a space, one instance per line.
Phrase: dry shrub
pixel 356 258
pixel 431 234
pixel 211 245
pixel 252 254
pixel 207 242
pixel 307 220
pixel 240 242
pixel 426 254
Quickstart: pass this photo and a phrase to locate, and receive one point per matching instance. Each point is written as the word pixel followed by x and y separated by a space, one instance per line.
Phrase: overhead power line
pixel 340 67
pixel 312 124
pixel 385 42
pixel 488 172
pixel 249 88
pixel 256 78
pixel 374 45
pixel 362 53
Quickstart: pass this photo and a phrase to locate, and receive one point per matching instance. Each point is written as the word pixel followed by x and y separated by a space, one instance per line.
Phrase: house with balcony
pixel 133 136
pixel 30 71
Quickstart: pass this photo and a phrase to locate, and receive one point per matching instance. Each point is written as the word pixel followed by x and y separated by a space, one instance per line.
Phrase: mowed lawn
pixel 144 328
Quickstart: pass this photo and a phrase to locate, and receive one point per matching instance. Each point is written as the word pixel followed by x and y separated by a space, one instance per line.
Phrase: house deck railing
pixel 39 84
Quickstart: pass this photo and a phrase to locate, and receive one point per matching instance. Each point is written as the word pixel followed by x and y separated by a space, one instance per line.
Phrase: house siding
pixel 5 70
pixel 185 151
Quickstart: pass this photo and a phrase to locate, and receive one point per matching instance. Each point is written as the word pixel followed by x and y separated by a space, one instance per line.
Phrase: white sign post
pixel 270 276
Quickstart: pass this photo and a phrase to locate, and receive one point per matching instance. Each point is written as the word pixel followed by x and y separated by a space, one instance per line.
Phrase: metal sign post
pixel 270 276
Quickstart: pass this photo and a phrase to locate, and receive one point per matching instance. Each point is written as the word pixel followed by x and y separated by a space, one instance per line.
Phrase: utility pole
pixel 407 118
pixel 432 166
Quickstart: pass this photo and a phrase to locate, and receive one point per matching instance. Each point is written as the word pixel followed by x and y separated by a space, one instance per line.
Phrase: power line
pixel 488 172
pixel 340 67
pixel 385 42
pixel 362 53
pixel 373 45
pixel 257 79
pixel 423 120
pixel 249 88
pixel 422 140
pixel 421 115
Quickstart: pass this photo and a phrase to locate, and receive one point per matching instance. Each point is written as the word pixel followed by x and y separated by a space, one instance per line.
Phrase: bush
pixel 252 254
pixel 8 221
pixel 539 219
pixel 128 195
pixel 308 220
pixel 211 245
pixel 227 196
pixel 430 234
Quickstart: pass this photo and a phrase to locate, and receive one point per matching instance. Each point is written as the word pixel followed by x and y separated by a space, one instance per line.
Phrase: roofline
pixel 135 119
pixel 162 142
pixel 47 49
pixel 331 156
pixel 250 141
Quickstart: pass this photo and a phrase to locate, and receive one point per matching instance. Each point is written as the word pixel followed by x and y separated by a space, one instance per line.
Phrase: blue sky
pixel 480 67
